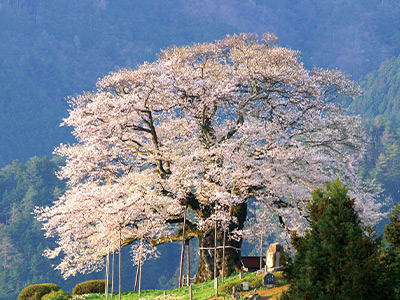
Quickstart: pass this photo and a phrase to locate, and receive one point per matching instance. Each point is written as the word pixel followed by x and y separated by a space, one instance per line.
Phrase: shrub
pixel 57 295
pixel 89 287
pixel 37 291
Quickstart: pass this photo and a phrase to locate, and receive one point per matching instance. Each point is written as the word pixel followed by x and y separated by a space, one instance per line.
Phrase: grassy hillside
pixel 205 290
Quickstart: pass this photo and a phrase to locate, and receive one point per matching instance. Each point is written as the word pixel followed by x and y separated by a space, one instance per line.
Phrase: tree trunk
pixel 232 249
pixel 232 257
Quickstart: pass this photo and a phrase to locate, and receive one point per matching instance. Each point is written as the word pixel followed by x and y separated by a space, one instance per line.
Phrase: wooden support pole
pixel 188 262
pixel 183 248
pixel 215 250
pixel 120 266
pixel 261 251
pixel 112 273
pixel 223 257
pixel 140 268
pixel 136 278
pixel 107 274
pixel 140 279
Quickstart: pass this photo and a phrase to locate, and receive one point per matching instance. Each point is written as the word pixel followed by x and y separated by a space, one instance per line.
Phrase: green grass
pixel 200 292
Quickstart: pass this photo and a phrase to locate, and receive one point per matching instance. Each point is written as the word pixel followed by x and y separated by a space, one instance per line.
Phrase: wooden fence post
pixel 216 286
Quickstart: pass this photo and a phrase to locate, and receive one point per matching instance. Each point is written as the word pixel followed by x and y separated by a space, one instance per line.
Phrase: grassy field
pixel 199 292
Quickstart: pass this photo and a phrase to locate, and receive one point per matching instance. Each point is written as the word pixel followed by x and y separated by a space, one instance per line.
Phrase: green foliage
pixel 383 156
pixel 57 295
pixel 390 258
pixel 337 258
pixel 390 274
pixel 392 230
pixel 88 287
pixel 381 95
pixel 36 291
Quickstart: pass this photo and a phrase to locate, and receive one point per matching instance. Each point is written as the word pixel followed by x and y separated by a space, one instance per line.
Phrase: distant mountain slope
pixel 354 36
pixel 52 49
pixel 381 93
pixel 380 108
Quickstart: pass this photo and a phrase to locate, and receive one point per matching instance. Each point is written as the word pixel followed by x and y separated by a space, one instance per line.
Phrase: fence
pixel 192 292
pixel 197 291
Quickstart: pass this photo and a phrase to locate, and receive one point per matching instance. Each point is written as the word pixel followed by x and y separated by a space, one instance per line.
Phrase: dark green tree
pixel 392 230
pixel 337 258
pixel 390 258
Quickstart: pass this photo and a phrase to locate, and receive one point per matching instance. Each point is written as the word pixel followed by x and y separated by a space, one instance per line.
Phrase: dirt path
pixel 272 294
pixel 266 294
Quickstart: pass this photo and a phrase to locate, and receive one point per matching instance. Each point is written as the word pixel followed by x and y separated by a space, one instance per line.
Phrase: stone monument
pixel 269 280
pixel 273 263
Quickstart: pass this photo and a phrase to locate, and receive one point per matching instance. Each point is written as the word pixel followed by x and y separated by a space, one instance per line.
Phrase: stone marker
pixel 269 279
pixel 273 263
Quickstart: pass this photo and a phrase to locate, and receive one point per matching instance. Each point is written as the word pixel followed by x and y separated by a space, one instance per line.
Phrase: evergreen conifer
pixel 390 258
pixel 337 258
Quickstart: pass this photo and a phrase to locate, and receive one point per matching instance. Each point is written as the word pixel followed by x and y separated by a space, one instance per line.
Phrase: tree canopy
pixel 208 127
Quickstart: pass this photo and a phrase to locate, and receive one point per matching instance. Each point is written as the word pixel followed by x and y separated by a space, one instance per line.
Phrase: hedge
pixel 57 295
pixel 37 291
pixel 89 287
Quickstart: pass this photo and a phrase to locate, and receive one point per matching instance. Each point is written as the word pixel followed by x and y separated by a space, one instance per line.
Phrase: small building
pixel 251 263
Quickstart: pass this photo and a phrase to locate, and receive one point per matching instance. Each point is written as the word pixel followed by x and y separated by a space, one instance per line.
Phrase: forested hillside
pixel 22 242
pixel 50 50
pixel 22 187
pixel 380 108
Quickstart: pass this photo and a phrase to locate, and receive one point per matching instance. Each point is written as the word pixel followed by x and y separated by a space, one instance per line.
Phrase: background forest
pixel 52 49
